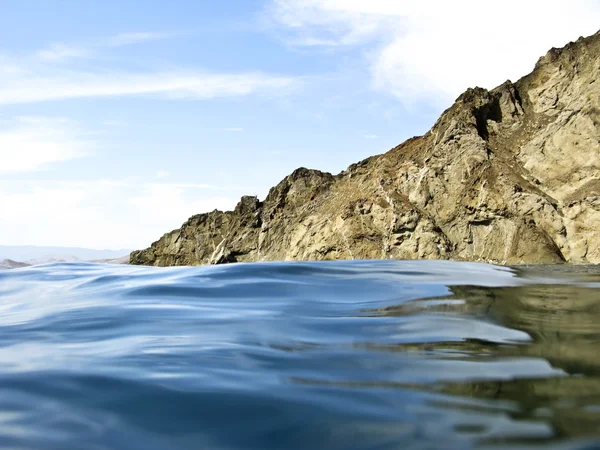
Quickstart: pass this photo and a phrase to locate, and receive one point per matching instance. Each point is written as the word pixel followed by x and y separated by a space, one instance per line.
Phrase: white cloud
pixel 98 213
pixel 33 143
pixel 371 136
pixel 58 52
pixel 137 38
pixel 71 212
pixel 48 84
pixel 434 49
pixel 233 129
pixel 171 186
pixel 163 174
pixel 61 52
pixel 53 73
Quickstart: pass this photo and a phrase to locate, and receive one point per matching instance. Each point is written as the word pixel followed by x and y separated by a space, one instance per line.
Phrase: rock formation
pixel 509 176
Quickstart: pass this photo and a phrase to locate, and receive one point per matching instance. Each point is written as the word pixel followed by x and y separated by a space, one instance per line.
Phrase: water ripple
pixel 331 355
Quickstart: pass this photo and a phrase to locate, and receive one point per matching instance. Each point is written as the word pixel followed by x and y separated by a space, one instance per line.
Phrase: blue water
pixel 330 355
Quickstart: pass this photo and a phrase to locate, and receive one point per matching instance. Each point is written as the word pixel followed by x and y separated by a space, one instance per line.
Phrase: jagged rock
pixel 510 176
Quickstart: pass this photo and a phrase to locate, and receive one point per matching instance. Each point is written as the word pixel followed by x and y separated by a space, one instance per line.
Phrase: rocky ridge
pixel 509 176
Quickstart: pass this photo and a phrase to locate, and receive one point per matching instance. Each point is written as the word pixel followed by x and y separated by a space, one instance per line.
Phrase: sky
pixel 121 119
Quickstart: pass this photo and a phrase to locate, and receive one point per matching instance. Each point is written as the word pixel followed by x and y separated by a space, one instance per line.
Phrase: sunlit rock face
pixel 509 176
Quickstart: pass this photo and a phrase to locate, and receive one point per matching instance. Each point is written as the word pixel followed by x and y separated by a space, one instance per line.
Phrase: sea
pixel 300 355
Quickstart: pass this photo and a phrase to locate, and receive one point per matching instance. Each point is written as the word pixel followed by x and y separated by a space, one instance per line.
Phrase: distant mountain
pixel 10 264
pixel 121 260
pixel 41 255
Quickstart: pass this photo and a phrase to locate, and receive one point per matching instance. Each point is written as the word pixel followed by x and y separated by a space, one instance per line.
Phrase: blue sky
pixel 119 120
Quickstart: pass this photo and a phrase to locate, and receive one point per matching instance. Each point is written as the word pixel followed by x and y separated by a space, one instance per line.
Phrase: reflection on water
pixel 563 322
pixel 339 355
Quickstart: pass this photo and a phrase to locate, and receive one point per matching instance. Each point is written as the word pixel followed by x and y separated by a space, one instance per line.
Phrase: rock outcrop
pixel 509 176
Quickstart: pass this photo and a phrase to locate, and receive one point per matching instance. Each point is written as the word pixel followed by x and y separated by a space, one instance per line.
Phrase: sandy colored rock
pixel 509 176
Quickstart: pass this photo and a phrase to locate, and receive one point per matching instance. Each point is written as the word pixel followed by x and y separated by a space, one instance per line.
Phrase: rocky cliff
pixel 509 176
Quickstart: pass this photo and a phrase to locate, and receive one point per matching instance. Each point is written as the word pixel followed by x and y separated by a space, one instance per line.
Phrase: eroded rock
pixel 509 176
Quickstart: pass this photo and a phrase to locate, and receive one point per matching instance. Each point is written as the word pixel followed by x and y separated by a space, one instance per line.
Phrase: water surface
pixel 330 355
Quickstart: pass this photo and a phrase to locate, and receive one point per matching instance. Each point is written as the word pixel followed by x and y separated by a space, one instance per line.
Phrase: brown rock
pixel 510 176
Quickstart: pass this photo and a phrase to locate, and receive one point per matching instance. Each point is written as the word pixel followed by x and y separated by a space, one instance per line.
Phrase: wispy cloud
pixel 371 136
pixel 48 84
pixel 53 73
pixel 34 143
pixel 60 51
pixel 137 38
pixel 159 186
pixel 232 129
pixel 57 52
pixel 433 49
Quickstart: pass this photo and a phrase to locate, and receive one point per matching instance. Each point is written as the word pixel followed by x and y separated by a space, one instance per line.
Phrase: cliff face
pixel 510 176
